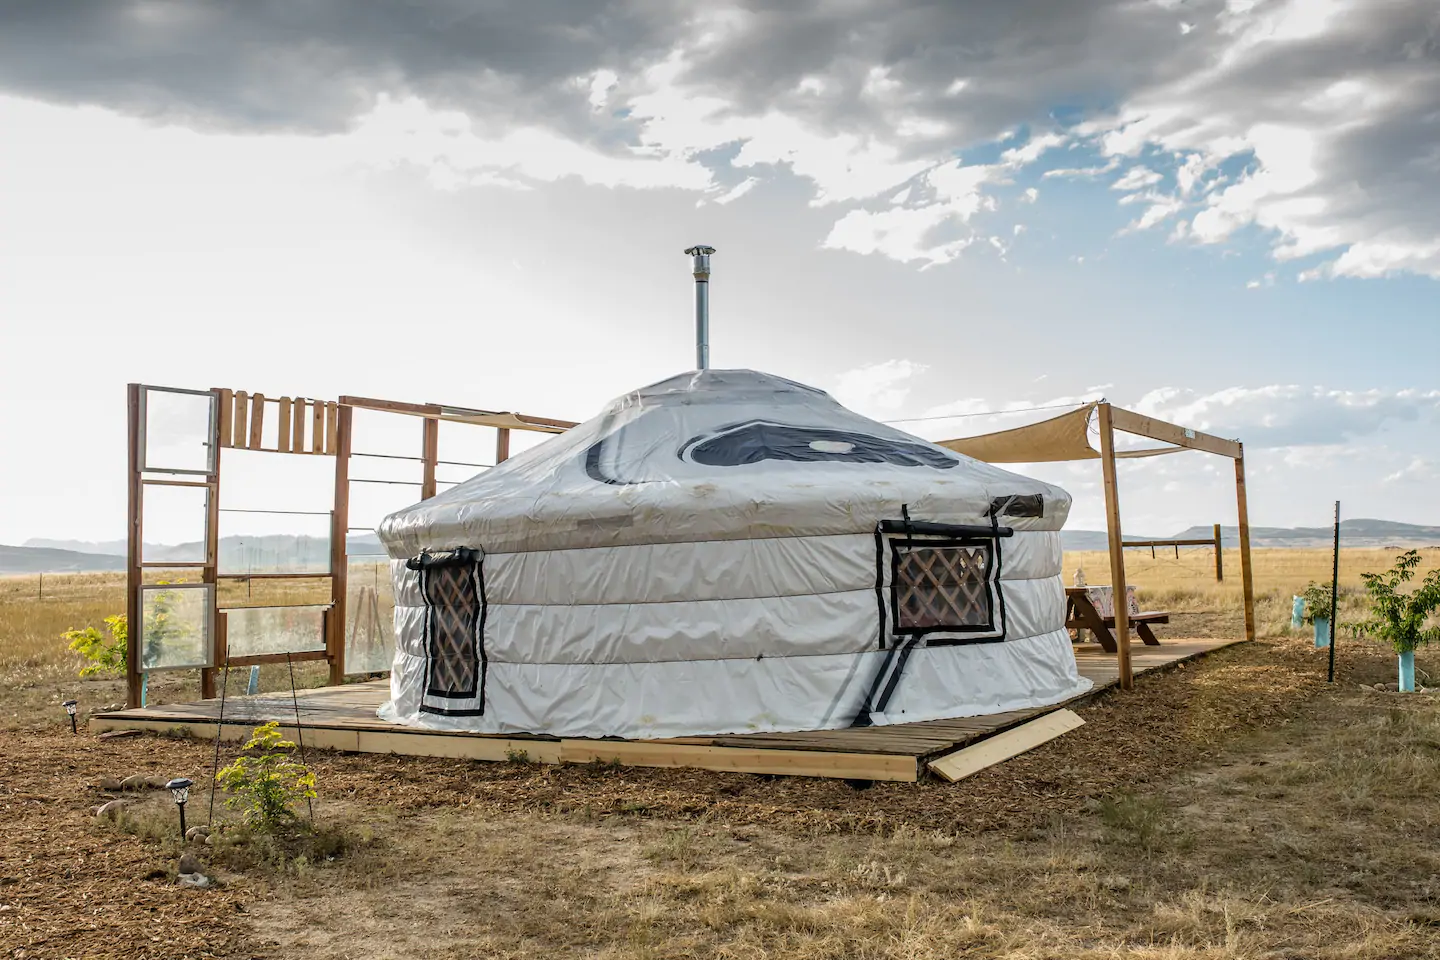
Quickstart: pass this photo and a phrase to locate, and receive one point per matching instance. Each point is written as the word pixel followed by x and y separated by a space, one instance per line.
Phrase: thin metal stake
pixel 219 729
pixel 299 733
pixel 1334 595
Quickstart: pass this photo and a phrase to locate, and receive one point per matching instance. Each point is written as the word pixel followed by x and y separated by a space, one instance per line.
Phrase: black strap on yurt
pixel 876 698
pixel 444 558
pixel 887 678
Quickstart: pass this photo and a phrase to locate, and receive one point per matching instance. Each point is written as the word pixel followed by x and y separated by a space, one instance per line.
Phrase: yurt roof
pixel 712 455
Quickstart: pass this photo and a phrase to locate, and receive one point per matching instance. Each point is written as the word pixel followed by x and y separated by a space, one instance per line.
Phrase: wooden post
pixel 502 444
pixel 211 573
pixel 339 559
pixel 1246 583
pixel 227 414
pixel 1117 549
pixel 135 625
pixel 1219 557
pixel 241 419
pixel 257 421
pixel 297 430
pixel 430 453
pixel 282 439
pixel 317 427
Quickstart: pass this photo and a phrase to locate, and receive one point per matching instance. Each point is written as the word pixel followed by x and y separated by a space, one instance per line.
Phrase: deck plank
pixel 345 718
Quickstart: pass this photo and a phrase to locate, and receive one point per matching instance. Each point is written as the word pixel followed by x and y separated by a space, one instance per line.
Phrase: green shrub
pixel 266 782
pixel 162 627
pixel 1317 598
pixel 1400 618
pixel 106 653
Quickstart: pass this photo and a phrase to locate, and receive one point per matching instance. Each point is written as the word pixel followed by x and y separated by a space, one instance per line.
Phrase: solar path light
pixel 180 789
pixel 70 706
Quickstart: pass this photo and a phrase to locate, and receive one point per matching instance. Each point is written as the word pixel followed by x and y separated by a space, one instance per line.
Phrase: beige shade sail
pixel 1066 437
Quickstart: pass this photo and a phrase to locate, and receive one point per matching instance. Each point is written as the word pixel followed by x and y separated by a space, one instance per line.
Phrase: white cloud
pixel 1085 173
pixel 1312 120
pixel 446 144
pixel 877 387
pixel 1327 102
pixel 954 195
pixel 1137 178
pixel 1289 415
pixel 1418 470
pixel 601 83
pixel 1033 149
pixel 900 233
pixel 844 167
pixel 734 193
pixel 1160 209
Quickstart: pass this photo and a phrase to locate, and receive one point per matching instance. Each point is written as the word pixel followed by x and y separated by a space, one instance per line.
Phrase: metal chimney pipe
pixel 701 254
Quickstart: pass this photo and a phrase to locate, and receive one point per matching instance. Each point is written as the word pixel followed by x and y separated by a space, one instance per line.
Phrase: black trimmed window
pixel 454 613
pixel 943 586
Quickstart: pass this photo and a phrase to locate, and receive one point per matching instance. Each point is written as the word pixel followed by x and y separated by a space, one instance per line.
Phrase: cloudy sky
pixel 1224 213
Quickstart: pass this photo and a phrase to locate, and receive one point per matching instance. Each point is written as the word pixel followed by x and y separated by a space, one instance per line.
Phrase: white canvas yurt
pixel 727 551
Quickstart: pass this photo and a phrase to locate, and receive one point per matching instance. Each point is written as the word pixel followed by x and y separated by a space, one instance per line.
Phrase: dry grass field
pixel 1239 807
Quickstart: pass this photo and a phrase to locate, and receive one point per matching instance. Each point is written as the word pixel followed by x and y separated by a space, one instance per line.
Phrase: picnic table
pixel 1093 609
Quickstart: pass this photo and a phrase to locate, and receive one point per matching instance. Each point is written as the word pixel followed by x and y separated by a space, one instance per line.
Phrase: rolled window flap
pixel 929 529
pixel 1017 505
pixel 444 558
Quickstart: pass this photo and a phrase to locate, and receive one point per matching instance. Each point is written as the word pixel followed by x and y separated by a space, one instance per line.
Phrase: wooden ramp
pixel 343 718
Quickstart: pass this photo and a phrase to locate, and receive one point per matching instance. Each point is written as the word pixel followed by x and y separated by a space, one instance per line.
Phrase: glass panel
pixel 263 481
pixel 177 626
pixel 371 502
pixel 370 616
pixel 364 467
pixel 173 520
pixel 254 631
pixel 467 443
pixel 267 592
pixel 263 542
pixel 364 546
pixel 375 431
pixel 178 430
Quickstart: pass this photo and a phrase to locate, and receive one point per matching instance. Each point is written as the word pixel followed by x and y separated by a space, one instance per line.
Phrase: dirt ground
pixel 1239 807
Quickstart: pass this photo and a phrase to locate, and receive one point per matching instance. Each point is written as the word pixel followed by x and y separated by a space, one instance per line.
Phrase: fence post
pixel 1219 557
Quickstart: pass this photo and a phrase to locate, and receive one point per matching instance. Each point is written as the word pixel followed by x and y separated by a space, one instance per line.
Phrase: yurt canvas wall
pixel 722 552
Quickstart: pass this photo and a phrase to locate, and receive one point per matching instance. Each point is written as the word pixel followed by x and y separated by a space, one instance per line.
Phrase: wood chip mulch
pixel 70 887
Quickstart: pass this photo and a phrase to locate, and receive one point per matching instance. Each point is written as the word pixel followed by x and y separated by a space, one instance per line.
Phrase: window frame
pixel 468 565
pixel 992 630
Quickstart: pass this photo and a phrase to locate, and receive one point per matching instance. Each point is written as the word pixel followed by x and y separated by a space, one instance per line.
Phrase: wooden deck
pixel 343 718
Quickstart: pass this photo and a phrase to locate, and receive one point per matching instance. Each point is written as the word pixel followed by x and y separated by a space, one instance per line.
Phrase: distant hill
pixel 237 554
pixel 112 547
pixel 259 554
pixel 48 560
pixel 1353 533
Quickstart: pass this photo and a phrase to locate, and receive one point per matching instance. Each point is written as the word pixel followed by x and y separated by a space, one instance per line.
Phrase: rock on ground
pixel 110 808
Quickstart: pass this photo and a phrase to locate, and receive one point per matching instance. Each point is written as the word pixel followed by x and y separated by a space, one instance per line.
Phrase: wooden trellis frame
pixel 1065 438
pixel 303 426
pixel 1111 419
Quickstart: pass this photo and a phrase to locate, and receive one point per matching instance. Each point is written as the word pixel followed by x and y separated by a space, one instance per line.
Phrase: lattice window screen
pixel 453 614
pixel 942 587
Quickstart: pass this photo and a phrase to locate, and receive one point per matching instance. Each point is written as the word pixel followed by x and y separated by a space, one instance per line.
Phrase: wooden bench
pixel 1080 614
